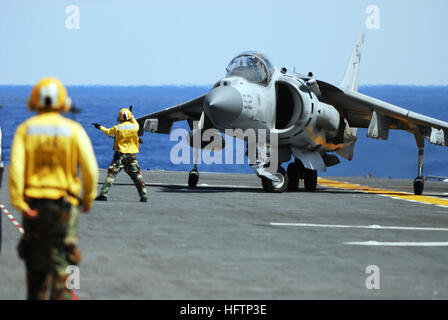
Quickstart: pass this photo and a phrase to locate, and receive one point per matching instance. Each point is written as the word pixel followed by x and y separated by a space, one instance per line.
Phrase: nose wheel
pixel 276 186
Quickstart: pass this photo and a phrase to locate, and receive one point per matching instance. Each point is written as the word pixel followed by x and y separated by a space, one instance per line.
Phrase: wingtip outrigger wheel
pixel 193 177
pixel 419 185
pixel 419 182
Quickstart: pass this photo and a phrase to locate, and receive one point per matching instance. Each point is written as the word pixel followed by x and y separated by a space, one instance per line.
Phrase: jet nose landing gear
pixel 277 186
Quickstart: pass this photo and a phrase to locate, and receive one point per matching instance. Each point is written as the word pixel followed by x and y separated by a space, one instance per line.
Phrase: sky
pixel 178 42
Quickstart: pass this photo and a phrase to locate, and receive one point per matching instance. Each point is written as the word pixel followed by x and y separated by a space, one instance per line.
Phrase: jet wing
pixel 378 116
pixel 162 121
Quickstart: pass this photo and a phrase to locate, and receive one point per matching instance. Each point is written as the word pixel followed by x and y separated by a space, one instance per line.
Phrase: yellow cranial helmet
pixel 124 115
pixel 49 94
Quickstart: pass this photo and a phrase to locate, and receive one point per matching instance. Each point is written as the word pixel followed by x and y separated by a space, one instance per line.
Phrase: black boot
pixel 101 198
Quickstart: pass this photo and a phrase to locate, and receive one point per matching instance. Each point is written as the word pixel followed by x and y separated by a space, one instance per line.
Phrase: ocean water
pixel 395 158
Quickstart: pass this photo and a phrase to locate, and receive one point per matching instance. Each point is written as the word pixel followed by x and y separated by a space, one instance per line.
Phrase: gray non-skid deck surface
pixel 217 242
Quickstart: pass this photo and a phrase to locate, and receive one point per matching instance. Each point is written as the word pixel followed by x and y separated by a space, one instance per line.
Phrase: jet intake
pixel 289 105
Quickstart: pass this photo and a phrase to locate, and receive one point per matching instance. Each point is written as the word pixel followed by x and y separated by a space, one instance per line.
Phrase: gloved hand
pixel 130 108
pixel 96 125
pixel 30 213
pixel 86 209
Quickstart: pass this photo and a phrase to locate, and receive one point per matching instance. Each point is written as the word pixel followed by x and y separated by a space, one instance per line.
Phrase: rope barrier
pixel 11 217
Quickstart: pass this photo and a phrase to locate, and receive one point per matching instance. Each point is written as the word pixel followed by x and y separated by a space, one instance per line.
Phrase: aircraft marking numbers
pixel 247 101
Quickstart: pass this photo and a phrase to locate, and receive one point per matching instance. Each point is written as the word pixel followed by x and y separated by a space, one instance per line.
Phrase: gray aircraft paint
pixel 320 118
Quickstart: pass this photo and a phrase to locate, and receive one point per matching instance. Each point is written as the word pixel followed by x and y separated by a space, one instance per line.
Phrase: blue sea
pixel 394 158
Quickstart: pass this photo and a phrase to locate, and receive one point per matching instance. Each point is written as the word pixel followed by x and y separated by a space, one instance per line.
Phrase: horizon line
pixel 208 85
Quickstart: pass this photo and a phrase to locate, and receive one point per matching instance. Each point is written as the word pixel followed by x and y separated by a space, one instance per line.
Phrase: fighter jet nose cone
pixel 223 104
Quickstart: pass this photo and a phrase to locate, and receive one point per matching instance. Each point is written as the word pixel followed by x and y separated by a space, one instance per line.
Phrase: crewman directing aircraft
pixel 44 185
pixel 126 146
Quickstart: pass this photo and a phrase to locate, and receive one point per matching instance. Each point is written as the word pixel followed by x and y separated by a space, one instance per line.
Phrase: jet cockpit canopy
pixel 252 66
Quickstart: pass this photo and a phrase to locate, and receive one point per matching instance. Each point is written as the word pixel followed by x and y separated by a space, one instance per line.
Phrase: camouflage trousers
pixel 128 162
pixel 48 246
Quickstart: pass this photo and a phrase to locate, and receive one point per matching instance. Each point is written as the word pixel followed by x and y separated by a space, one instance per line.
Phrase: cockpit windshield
pixel 253 67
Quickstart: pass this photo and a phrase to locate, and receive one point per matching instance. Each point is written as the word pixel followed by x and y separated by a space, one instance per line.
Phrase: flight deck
pixel 355 238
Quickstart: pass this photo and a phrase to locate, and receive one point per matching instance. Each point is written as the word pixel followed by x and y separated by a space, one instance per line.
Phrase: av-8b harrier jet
pixel 314 120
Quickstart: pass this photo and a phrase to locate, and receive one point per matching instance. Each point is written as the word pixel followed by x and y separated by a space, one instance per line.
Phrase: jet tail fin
pixel 351 76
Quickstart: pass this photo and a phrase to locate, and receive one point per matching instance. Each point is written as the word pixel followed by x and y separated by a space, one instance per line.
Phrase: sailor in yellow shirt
pixel 44 185
pixel 126 145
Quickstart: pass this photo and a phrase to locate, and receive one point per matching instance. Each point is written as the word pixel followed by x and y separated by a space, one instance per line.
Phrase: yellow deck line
pixel 388 193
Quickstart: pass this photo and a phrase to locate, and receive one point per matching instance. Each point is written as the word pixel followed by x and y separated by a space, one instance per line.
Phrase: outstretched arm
pixel 109 131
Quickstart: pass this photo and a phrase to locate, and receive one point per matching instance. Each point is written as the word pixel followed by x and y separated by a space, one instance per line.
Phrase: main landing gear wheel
pixel 293 176
pixel 310 180
pixel 276 187
pixel 193 178
pixel 419 185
